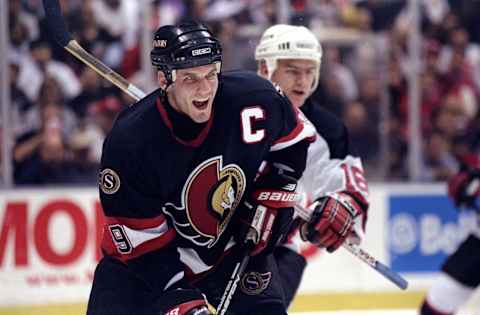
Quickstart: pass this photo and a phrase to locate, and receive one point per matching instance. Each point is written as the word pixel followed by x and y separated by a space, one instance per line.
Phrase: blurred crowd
pixel 61 109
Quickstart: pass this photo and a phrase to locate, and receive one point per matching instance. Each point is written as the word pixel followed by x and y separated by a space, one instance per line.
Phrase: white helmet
pixel 283 41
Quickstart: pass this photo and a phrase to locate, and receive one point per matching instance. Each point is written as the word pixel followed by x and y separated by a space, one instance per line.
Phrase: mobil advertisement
pixel 49 241
pixel 424 229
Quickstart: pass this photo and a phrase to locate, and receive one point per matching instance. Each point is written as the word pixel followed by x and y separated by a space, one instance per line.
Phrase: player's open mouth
pixel 298 93
pixel 200 104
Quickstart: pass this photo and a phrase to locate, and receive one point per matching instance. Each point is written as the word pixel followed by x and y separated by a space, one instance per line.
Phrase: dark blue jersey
pixel 330 128
pixel 162 190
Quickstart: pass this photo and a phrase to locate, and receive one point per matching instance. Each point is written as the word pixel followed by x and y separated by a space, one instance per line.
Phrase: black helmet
pixel 182 46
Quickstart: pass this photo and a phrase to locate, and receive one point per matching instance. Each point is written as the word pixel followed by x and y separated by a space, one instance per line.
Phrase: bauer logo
pixel 201 51
pixel 424 230
pixel 278 196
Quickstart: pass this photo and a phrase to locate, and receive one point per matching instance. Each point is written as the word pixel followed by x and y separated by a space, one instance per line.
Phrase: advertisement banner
pixel 423 230
pixel 49 241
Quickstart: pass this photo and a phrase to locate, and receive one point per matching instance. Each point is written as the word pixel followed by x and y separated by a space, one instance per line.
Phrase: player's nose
pixel 302 79
pixel 204 86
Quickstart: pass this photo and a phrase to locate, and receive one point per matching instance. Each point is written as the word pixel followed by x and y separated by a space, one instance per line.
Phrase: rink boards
pixel 49 243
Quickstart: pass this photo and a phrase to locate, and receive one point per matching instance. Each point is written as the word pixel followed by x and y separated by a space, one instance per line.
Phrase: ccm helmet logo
pixel 201 51
pixel 278 196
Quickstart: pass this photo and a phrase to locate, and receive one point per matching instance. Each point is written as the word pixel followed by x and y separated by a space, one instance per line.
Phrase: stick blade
pixel 56 23
pixel 398 280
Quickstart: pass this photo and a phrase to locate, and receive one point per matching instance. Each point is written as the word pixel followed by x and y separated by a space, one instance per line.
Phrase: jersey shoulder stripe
pixel 304 130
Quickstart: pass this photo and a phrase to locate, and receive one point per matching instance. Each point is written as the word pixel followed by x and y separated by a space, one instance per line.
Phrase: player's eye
pixel 212 75
pixel 189 79
pixel 292 71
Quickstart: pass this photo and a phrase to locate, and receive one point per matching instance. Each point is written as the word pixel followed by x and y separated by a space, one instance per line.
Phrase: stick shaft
pixel 250 239
pixel 232 285
pixel 363 255
pixel 106 72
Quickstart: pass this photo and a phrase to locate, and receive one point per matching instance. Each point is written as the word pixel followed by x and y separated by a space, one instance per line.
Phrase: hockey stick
pixel 233 282
pixel 252 238
pixel 58 27
pixel 363 255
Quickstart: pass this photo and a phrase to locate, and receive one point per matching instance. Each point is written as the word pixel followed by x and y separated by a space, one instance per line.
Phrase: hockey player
pixel 290 57
pixel 181 177
pixel 460 275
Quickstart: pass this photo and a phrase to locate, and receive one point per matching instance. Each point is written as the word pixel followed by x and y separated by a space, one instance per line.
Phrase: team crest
pixel 209 198
pixel 109 181
pixel 254 283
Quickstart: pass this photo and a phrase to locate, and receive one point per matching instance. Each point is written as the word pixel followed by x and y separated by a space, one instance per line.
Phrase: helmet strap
pixel 169 76
pixel 271 64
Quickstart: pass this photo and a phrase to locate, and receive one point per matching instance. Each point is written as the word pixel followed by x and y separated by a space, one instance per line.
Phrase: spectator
pixel 42 156
pixel 87 139
pixel 50 93
pixel 20 104
pixel 439 162
pixel 40 64
pixel 361 131
pixel 90 92
pixel 451 119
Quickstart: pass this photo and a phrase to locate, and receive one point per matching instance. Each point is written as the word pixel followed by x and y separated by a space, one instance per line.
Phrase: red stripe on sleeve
pixel 292 135
pixel 136 224
pixel 299 128
pixel 154 244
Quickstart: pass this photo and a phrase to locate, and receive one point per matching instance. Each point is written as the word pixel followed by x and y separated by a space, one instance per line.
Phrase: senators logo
pixel 254 283
pixel 209 198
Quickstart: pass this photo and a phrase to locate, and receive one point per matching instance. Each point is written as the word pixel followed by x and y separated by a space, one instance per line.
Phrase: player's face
pixel 295 77
pixel 193 91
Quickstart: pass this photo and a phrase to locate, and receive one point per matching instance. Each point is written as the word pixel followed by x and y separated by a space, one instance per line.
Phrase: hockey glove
pixel 185 302
pixel 269 211
pixel 464 188
pixel 332 221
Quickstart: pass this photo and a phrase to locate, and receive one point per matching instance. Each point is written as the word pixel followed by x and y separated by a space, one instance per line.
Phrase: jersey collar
pixel 197 141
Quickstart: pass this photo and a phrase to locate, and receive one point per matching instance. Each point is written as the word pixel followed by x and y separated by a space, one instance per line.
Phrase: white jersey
pixel 326 175
pixel 332 166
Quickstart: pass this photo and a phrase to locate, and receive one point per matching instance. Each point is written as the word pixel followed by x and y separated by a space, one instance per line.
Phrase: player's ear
pixel 262 68
pixel 162 80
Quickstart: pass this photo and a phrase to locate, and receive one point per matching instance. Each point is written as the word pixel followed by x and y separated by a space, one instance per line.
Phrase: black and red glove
pixel 332 220
pixel 464 187
pixel 268 212
pixel 183 302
